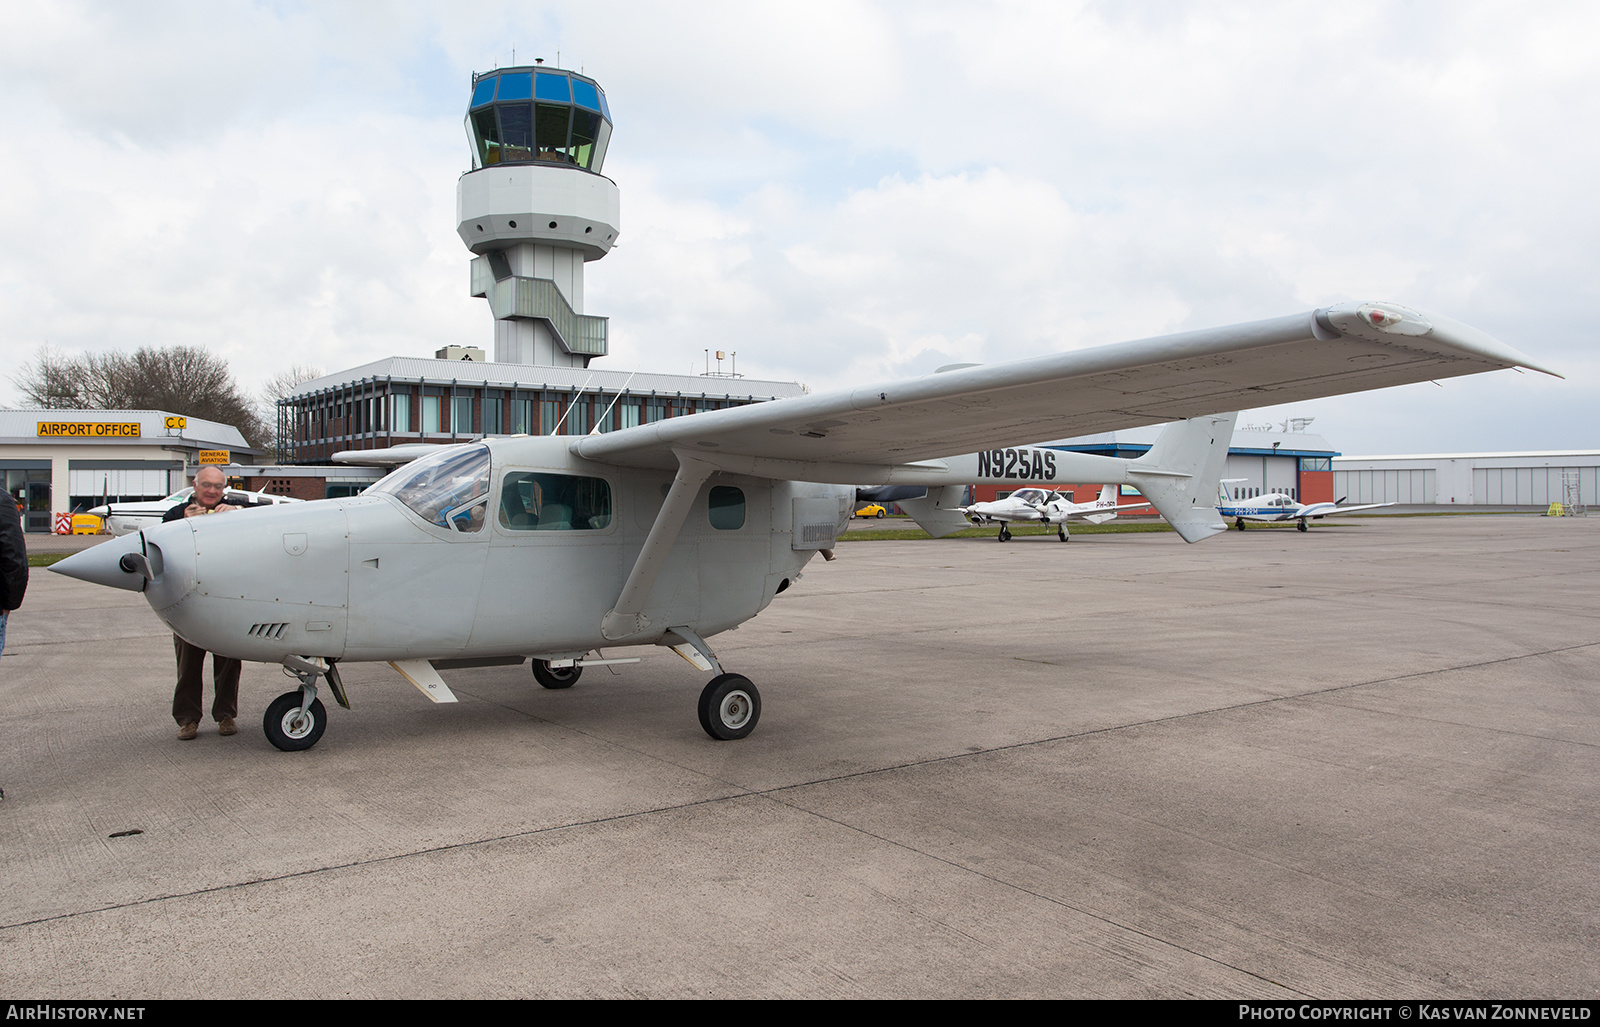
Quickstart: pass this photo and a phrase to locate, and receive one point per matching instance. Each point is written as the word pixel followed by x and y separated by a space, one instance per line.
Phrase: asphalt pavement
pixel 1355 762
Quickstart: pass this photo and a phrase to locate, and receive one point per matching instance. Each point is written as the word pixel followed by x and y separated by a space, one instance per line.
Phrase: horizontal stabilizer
pixel 1182 472
pixel 939 512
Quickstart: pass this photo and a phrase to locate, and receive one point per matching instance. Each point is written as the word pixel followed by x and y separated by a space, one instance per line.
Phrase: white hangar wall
pixel 1468 479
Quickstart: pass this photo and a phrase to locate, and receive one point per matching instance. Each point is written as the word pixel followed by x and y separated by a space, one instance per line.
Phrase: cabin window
pixel 536 501
pixel 448 489
pixel 726 505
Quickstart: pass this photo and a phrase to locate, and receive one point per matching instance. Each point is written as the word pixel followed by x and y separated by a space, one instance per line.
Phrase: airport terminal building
pixel 58 461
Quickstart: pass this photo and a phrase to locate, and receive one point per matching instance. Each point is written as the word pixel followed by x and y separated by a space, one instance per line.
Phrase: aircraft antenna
pixel 557 429
pixel 601 419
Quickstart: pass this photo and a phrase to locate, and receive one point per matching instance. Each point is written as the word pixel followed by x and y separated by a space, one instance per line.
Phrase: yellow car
pixel 871 510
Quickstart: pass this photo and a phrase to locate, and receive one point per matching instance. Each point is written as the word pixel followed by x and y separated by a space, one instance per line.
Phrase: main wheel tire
pixel 288 729
pixel 555 677
pixel 1239 524
pixel 1005 536
pixel 1302 525
pixel 730 706
pixel 1063 536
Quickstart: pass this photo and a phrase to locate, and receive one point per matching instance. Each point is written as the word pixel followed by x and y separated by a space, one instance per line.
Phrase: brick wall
pixel 296 487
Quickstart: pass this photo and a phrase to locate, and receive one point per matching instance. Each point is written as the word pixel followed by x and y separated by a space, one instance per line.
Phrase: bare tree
pixel 275 388
pixel 185 380
pixel 51 381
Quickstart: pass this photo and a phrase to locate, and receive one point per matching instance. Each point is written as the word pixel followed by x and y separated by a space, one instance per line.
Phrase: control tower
pixel 535 208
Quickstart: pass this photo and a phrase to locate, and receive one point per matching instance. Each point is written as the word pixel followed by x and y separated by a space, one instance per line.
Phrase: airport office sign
pixel 88 429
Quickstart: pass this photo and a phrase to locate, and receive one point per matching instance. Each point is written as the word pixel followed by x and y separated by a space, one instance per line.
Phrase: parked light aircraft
pixel 127 518
pixel 668 533
pixel 1046 507
pixel 1275 506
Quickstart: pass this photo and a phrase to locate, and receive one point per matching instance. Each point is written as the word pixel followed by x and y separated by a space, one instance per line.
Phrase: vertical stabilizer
pixel 1182 472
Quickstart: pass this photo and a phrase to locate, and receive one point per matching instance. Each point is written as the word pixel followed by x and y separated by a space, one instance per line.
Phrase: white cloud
pixel 837 191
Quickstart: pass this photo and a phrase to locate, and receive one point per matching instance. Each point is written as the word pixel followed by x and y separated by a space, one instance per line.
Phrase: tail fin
pixel 936 512
pixel 1108 495
pixel 1182 472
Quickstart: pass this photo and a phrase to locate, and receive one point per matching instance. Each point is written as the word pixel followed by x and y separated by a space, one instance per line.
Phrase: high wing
pixel 877 434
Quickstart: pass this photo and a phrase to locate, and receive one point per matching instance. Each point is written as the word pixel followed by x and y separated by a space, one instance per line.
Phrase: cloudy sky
pixel 838 191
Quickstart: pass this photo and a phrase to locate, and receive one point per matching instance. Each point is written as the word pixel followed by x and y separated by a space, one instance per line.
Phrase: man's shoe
pixel 226 726
pixel 187 732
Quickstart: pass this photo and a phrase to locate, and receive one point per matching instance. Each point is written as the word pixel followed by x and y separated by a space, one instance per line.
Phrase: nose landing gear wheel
pixel 289 729
pixel 730 706
pixel 555 677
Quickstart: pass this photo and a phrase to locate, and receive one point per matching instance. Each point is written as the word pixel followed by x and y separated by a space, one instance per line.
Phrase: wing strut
pixel 627 617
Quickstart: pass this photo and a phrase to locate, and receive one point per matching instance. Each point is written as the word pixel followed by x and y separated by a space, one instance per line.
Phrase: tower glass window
pixel 549 115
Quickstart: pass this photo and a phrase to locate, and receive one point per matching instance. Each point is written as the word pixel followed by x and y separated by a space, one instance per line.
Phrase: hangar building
pixel 1531 480
pixel 1294 463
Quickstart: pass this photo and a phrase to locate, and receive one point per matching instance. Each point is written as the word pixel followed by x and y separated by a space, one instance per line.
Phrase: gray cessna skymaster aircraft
pixel 552 547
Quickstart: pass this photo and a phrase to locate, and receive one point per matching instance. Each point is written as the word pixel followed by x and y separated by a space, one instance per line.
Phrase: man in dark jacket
pixel 13 562
pixel 210 489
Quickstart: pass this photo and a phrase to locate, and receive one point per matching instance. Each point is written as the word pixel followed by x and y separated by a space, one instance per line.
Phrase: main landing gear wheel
pixel 1005 534
pixel 1302 525
pixel 555 677
pixel 730 706
pixel 288 728
pixel 1239 524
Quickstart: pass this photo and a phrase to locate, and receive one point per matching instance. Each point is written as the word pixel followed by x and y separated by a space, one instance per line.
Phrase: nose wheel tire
pixel 289 729
pixel 555 677
pixel 730 706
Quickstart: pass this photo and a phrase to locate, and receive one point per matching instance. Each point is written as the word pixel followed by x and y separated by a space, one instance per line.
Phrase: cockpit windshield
pixel 449 488
pixel 1033 497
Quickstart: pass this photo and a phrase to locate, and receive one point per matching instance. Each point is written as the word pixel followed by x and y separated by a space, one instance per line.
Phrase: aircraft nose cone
pixel 103 564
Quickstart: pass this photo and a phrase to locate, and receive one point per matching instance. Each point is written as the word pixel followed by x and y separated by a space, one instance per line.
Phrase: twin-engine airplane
pixel 1275 506
pixel 1041 506
pixel 671 532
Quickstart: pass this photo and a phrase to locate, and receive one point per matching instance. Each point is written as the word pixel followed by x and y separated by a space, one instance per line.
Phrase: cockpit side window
pixel 448 489
pixel 537 501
